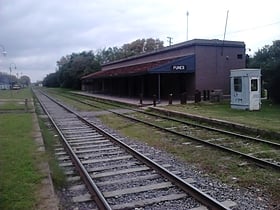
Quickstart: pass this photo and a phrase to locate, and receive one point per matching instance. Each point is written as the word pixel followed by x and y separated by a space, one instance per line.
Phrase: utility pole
pixel 169 39
pixel 222 53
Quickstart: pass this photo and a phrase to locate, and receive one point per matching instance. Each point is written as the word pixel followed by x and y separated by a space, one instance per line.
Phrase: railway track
pixel 116 176
pixel 260 151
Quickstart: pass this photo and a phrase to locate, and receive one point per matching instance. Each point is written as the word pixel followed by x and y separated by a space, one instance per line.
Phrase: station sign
pixel 178 67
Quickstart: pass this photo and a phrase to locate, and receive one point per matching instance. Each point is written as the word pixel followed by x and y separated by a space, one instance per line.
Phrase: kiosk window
pixel 237 84
pixel 254 85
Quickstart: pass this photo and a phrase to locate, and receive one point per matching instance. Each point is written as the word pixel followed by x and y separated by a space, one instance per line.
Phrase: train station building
pixel 182 68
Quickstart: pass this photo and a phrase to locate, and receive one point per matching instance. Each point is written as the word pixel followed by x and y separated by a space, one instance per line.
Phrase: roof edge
pixel 193 42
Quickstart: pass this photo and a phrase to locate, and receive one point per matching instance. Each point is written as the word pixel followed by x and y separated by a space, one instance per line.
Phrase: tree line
pixel 268 60
pixel 71 68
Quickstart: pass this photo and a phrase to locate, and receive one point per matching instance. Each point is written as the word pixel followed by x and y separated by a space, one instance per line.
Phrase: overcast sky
pixel 37 33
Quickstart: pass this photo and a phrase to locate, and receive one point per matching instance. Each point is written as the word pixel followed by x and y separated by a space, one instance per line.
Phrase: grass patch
pixel 12 105
pixel 50 140
pixel 15 99
pixel 18 173
pixel 266 118
pixel 18 94
pixel 64 94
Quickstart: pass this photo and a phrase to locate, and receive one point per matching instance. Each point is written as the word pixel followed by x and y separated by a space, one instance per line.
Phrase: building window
pixel 254 85
pixel 237 81
pixel 239 56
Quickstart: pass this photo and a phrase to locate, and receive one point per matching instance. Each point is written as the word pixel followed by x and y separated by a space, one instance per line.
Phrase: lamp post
pixel 3 51
pixel 15 67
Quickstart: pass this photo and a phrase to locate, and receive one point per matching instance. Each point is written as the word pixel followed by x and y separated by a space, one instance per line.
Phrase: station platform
pixel 126 100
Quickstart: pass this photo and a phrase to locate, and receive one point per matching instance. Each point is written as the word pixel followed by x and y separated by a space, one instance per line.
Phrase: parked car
pixel 16 87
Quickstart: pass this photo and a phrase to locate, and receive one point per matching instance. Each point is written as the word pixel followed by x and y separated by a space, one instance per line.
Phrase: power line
pixel 249 29
pixel 254 28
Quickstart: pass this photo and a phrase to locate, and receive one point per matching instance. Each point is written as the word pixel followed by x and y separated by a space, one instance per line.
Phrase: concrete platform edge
pixel 47 199
pixel 229 124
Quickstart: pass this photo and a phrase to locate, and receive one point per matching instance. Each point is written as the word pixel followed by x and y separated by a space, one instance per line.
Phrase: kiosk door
pixel 255 95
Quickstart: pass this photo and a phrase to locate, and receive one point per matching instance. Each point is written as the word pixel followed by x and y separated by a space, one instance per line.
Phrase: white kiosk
pixel 245 89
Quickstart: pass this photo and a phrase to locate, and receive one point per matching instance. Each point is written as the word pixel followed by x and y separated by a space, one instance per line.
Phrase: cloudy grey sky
pixel 36 33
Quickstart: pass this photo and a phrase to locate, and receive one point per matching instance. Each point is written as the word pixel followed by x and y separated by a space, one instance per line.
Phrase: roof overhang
pixel 184 64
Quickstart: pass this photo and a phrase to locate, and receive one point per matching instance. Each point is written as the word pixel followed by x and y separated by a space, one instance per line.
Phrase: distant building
pixel 197 64
pixel 4 86
pixel 4 81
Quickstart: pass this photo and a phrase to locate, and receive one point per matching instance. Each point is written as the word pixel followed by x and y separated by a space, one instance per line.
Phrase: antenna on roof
pixel 222 53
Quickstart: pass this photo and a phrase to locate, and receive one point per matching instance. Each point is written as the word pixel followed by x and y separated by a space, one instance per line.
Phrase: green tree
pixel 71 68
pixel 51 80
pixel 268 59
pixel 141 46
pixel 24 81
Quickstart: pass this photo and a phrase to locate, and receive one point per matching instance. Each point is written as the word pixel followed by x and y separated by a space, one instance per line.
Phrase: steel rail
pixel 259 140
pixel 248 157
pixel 91 186
pixel 202 197
pixel 274 144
